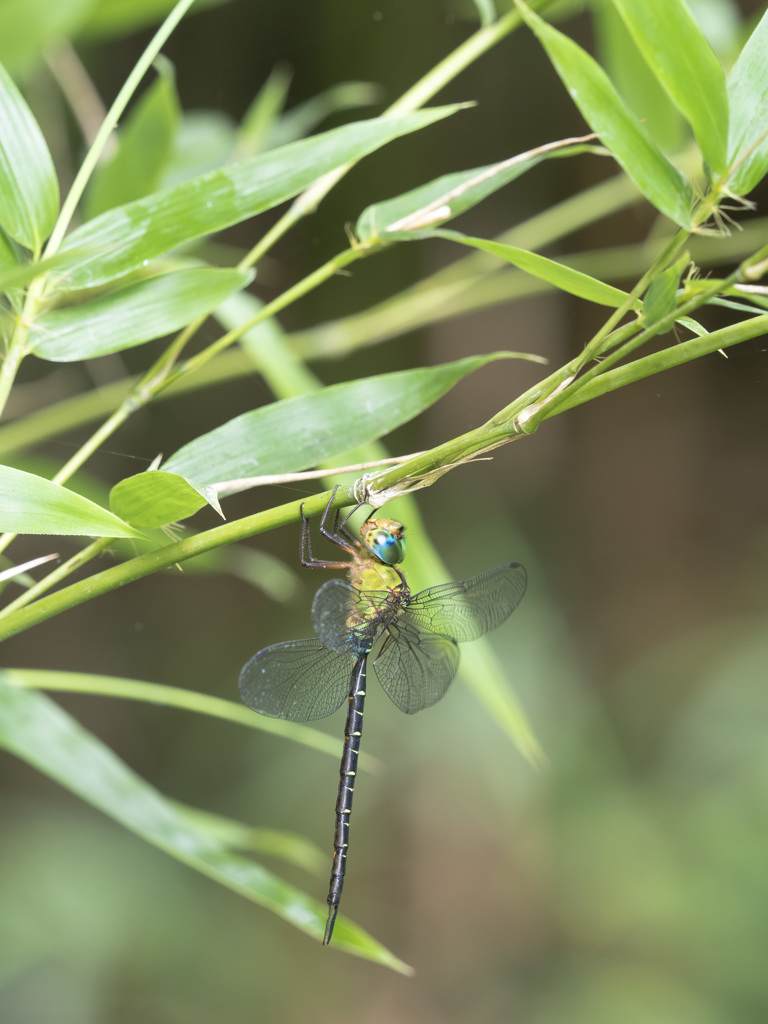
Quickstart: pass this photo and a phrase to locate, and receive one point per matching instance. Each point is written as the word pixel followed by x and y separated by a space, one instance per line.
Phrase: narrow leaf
pixel 36 730
pixel 177 697
pixel 678 53
pixel 661 297
pixel 606 113
pixel 144 146
pixel 153 499
pixel 296 433
pixel 748 99
pixel 565 278
pixel 639 86
pixel 29 192
pixel 302 119
pixel 9 260
pixel 121 17
pixel 31 504
pixel 30 27
pixel 123 239
pixel 448 196
pixel 266 108
pixel 133 315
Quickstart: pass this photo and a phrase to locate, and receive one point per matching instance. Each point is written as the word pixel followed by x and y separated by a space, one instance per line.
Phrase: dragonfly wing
pixel 467 609
pixel 300 681
pixel 415 668
pixel 347 619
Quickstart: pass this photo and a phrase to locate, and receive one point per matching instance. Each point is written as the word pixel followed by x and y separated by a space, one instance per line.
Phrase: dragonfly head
pixel 385 539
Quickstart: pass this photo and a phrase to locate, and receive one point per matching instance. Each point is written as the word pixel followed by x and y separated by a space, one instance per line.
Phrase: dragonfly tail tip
pixel 329 925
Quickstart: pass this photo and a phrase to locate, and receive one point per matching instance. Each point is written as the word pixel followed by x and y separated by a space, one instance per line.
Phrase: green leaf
pixel 144 147
pixel 748 99
pixel 661 298
pixel 123 239
pixel 300 120
pixel 565 278
pixel 31 504
pixel 21 274
pixel 448 196
pixel 205 140
pixel 9 259
pixel 154 498
pixel 184 700
pixel 39 732
pixel 121 17
pixel 297 433
pixel 629 72
pixel 678 53
pixel 29 192
pixel 606 113
pixel 29 27
pixel 133 315
pixel 264 111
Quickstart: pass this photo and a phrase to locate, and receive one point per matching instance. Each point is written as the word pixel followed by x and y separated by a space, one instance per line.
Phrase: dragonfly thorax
pixel 385 539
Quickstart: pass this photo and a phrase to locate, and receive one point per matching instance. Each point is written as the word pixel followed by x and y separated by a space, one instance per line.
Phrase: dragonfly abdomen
pixel 353 730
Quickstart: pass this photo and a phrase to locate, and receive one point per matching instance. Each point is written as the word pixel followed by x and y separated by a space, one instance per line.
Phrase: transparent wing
pixel 415 668
pixel 348 620
pixel 300 681
pixel 467 609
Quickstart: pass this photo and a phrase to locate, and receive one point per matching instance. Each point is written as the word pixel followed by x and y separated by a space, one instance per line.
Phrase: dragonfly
pixel 373 619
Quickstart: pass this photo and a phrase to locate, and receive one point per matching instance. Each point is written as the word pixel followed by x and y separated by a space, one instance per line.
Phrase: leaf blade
pixel 29 197
pixel 453 194
pixel 122 239
pixel 31 504
pixel 296 433
pixel 154 498
pixel 36 730
pixel 133 315
pixel 144 147
pixel 676 50
pixel 606 113
pixel 565 278
pixel 748 98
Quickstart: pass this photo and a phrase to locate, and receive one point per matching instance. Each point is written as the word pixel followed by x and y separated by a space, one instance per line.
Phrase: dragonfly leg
pixel 307 557
pixel 337 534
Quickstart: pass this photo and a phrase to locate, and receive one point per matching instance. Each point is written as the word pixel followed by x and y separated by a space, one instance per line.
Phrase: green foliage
pixel 141 265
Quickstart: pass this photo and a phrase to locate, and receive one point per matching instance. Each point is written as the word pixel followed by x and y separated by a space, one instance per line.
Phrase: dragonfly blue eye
pixel 387 547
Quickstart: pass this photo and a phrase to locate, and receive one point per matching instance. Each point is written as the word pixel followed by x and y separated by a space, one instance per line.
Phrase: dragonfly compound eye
pixel 386 546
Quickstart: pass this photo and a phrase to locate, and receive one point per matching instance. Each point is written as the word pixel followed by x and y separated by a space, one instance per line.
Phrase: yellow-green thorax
pixel 383 547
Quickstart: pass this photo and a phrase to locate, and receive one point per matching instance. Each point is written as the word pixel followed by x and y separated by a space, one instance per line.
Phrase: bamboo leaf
pixel 297 433
pixel 676 50
pixel 153 499
pixel 565 278
pixel 36 730
pixel 606 113
pixel 177 697
pixel 638 85
pixel 31 504
pixel 121 17
pixel 29 27
pixel 661 297
pixel 123 239
pixel 144 147
pixel 449 195
pixel 29 192
pixel 300 120
pixel 131 316
pixel 748 99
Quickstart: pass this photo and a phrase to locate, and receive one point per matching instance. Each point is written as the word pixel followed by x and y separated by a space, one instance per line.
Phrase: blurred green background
pixel 627 880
